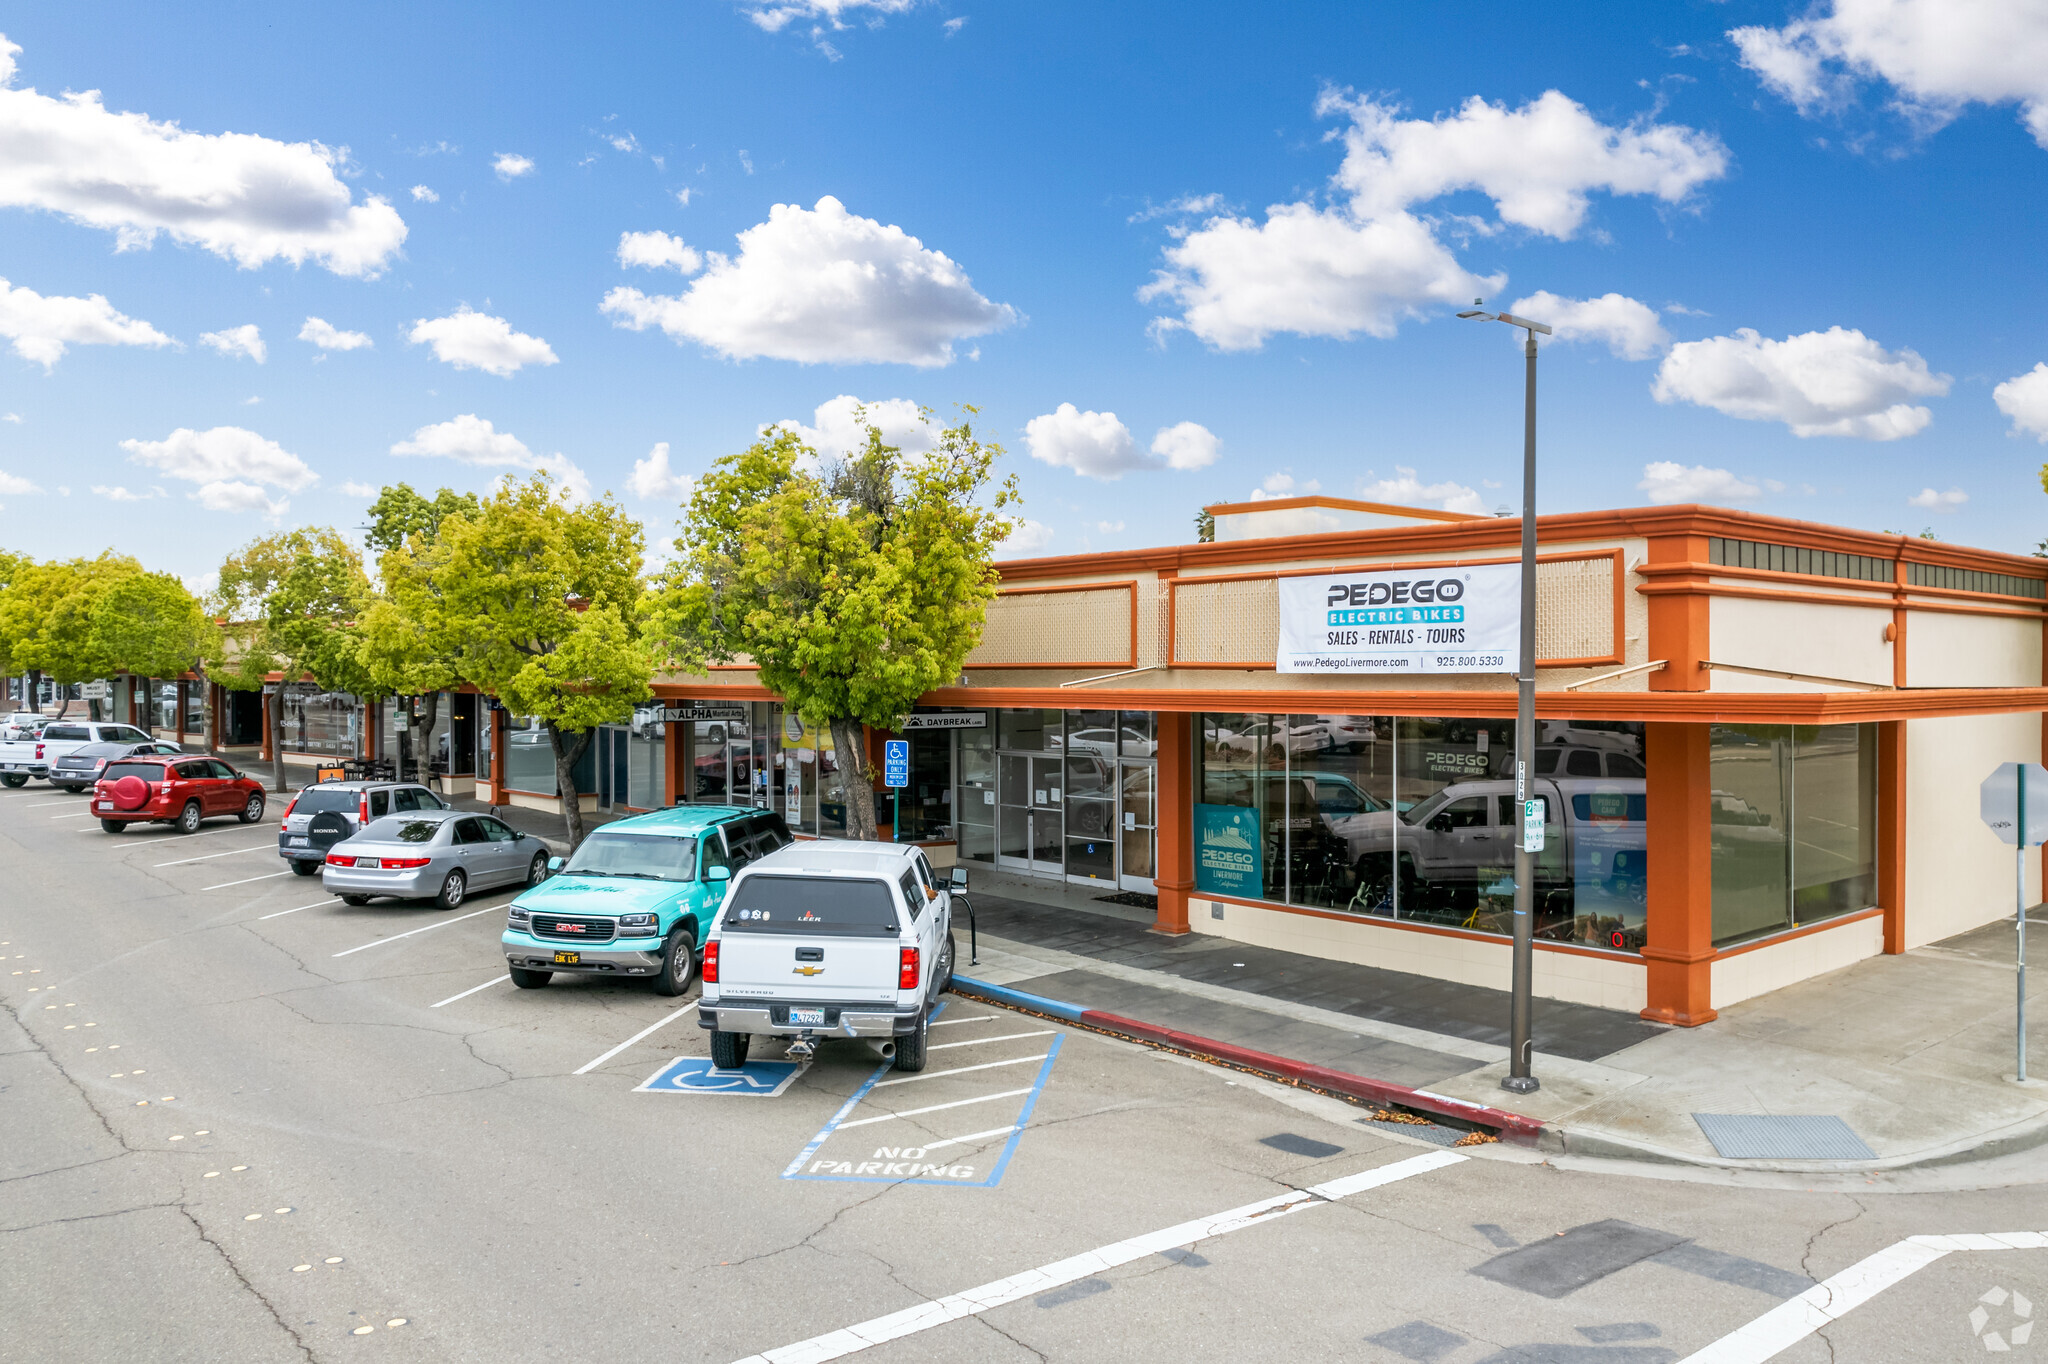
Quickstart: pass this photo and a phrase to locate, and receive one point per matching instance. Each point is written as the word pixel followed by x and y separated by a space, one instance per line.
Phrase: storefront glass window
pixel 1415 818
pixel 529 757
pixel 317 721
pixel 1138 734
pixel 195 707
pixel 976 825
pixel 163 704
pixel 487 720
pixel 646 757
pixel 1794 820
pixel 1034 731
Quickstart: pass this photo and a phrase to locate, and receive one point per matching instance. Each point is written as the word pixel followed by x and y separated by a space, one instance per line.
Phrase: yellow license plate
pixel 568 958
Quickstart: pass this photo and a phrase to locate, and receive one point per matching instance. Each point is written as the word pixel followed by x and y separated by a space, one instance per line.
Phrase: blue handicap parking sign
pixel 696 1075
pixel 896 762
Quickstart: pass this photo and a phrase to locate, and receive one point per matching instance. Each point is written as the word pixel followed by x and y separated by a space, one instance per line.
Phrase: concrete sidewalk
pixel 1912 1051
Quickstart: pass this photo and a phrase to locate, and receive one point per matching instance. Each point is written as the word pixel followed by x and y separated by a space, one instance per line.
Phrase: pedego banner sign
pixel 1402 620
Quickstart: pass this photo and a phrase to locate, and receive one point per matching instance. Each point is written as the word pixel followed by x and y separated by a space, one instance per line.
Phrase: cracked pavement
pixel 258 1148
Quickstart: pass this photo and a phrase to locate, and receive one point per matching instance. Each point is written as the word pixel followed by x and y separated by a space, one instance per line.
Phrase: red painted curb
pixel 1512 1127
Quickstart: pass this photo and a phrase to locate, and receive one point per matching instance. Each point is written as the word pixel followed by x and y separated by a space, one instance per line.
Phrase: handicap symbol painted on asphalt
pixel 696 1075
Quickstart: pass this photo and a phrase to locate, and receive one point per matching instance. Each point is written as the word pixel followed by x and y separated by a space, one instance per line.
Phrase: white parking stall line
pixel 208 857
pixel 971 1137
pixel 661 1022
pixel 351 951
pixel 164 831
pixel 934 1108
pixel 293 910
pixel 44 804
pixel 984 1041
pixel 271 876
pixel 498 979
pixel 1824 1304
pixel 975 1301
pixel 971 1018
pixel 958 1070
pixel 80 815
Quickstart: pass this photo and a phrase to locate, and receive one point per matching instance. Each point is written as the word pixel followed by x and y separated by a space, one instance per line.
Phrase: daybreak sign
pixel 1402 620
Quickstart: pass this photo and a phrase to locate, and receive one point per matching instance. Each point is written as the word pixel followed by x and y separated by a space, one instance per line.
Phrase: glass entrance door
pixel 1137 825
pixel 1029 791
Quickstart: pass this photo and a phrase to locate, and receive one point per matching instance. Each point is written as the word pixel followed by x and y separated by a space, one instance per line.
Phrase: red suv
pixel 176 791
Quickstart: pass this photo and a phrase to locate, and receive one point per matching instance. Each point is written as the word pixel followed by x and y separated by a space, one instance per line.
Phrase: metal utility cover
pixel 1795 1136
pixel 1565 1263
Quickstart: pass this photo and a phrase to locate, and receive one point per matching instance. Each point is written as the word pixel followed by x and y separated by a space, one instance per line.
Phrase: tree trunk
pixel 63 700
pixel 430 706
pixel 34 699
pixel 568 749
pixel 274 709
pixel 856 777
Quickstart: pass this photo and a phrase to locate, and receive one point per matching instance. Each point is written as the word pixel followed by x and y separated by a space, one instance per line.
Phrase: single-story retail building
pixel 1760 743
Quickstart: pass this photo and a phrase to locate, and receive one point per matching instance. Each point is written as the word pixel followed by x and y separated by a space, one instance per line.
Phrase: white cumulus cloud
pixel 247 198
pixel 821 285
pixel 1364 261
pixel 470 439
pixel 510 166
pixel 222 457
pixel 1187 445
pixel 118 493
pixel 14 485
pixel 1026 537
pixel 1927 499
pixel 1094 444
pixel 653 479
pixel 1667 481
pixel 41 326
pixel 327 336
pixel 422 195
pixel 1833 383
pixel 775 15
pixel 468 339
pixel 1627 328
pixel 243 340
pixel 658 251
pixel 236 496
pixel 2024 398
pixel 355 489
pixel 1936 55
pixel 1407 490
pixel 839 425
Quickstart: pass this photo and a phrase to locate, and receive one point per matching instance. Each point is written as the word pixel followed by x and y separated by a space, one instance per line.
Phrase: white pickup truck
pixel 829 939
pixel 21 759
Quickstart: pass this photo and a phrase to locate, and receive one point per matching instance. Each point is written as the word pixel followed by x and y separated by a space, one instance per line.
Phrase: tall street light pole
pixel 1519 1080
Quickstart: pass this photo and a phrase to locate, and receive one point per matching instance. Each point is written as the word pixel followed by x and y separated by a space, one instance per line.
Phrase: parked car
pixel 180 792
pixel 21 759
pixel 81 767
pixel 440 855
pixel 22 724
pixel 1262 734
pixel 323 815
pixel 636 898
pixel 1105 742
pixel 869 931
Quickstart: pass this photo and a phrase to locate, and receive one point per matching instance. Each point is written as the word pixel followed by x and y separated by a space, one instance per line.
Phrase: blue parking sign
pixel 696 1075
pixel 896 763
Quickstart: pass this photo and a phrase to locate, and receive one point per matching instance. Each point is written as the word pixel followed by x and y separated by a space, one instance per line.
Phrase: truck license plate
pixel 298 843
pixel 814 1018
pixel 568 958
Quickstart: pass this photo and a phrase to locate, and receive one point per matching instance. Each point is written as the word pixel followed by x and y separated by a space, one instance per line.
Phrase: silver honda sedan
pixel 438 855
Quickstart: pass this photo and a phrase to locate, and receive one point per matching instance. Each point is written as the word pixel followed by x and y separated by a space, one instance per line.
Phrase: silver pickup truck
pixel 21 759
pixel 829 939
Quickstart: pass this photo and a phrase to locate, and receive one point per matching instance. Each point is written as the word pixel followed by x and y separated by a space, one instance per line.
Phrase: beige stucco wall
pixel 1845 641
pixel 1608 982
pixel 1734 979
pixel 1946 649
pixel 1958 875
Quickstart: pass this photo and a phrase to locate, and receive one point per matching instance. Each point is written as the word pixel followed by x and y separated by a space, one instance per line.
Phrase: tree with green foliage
pixel 151 625
pixel 46 616
pixel 538 599
pixel 854 587
pixel 406 647
pixel 399 515
pixel 292 601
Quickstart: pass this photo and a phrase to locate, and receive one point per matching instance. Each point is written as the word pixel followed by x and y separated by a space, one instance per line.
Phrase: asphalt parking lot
pixel 245 1121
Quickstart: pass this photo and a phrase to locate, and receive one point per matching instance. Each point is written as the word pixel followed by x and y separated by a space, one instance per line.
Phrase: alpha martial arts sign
pixel 1402 620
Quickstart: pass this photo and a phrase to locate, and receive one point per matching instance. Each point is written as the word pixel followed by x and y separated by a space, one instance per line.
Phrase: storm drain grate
pixel 1773 1136
pixel 1425 1131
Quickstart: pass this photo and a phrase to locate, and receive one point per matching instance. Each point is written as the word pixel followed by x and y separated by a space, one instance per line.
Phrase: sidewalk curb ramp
pixel 1510 1127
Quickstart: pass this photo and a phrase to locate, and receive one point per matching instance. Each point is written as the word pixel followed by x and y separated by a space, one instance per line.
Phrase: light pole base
pixel 1521 1084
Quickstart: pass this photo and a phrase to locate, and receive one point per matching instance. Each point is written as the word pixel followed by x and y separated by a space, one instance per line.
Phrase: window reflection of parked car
pixel 1350 733
pixel 1557 760
pixel 1615 736
pixel 1104 742
pixel 1262 734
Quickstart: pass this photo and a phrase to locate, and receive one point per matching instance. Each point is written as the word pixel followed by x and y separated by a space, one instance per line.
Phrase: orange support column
pixel 675 762
pixel 1680 951
pixel 1891 832
pixel 1174 822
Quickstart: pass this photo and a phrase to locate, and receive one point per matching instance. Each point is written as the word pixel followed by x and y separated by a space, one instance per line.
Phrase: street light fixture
pixel 1519 1080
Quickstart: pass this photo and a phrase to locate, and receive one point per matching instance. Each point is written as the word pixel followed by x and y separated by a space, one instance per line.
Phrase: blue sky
pixel 1798 262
